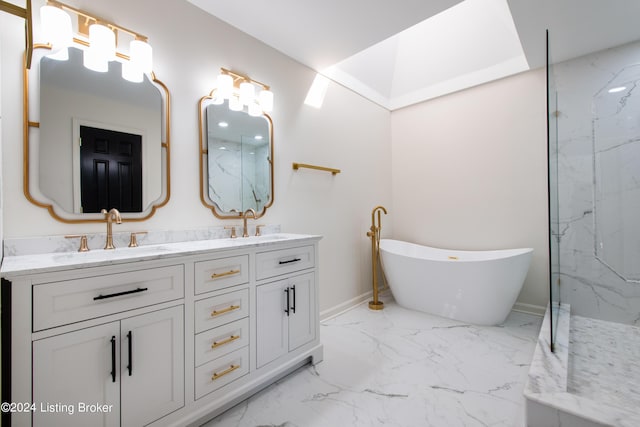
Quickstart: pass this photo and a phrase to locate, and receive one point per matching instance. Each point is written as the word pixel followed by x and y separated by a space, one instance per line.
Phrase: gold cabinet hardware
pixel 258 231
pixel 215 313
pixel 226 273
pixel 233 231
pixel 333 171
pixel 133 241
pixel 84 247
pixel 232 338
pixel 218 375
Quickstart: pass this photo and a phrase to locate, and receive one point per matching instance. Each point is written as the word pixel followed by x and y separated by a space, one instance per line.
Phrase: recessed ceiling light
pixel 222 148
pixel 223 124
pixel 617 89
pixel 258 137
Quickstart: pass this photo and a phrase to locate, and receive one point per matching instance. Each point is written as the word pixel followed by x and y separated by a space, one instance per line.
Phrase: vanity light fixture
pixel 99 38
pixel 240 91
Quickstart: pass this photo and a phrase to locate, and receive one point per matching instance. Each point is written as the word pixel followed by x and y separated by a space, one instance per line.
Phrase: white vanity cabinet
pixel 171 337
pixel 285 316
pixel 111 367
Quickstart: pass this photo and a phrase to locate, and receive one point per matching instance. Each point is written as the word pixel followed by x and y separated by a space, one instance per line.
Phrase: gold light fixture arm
pixel 24 13
pixel 95 19
pixel 237 77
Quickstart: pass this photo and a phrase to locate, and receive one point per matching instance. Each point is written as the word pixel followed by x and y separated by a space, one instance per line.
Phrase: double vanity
pixel 161 335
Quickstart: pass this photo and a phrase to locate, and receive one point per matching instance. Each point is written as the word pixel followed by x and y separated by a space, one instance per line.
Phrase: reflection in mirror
pixel 236 164
pixel 100 141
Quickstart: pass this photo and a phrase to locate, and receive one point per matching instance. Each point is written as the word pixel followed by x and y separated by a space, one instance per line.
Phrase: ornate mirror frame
pixel 204 160
pixel 31 142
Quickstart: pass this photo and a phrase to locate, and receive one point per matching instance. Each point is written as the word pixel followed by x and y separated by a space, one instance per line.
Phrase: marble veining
pixel 598 193
pixel 589 381
pixel 399 367
pixel 57 244
pixel 44 263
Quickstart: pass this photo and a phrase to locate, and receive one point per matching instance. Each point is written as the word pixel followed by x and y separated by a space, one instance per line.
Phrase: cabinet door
pixel 152 365
pixel 272 321
pixel 302 324
pixel 74 369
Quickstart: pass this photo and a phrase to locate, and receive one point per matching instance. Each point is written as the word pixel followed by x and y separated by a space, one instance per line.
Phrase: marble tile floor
pixel 398 367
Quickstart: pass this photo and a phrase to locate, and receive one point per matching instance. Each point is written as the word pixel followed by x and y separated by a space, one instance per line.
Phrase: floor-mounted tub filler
pixel 478 287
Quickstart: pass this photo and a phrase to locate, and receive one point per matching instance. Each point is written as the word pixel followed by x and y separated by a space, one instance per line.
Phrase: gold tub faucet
pixel 112 215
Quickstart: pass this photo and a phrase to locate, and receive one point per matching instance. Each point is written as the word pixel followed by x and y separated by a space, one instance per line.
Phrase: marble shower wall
pixel 599 183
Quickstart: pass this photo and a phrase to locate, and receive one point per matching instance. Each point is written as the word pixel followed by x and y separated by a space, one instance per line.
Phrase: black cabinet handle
pixel 286 310
pixel 117 294
pixel 289 261
pixel 130 339
pixel 293 307
pixel 113 358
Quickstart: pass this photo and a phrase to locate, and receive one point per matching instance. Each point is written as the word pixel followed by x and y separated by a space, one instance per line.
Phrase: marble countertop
pixel 49 262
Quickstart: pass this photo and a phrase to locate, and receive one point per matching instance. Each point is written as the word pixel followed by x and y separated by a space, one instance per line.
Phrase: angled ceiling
pixel 400 55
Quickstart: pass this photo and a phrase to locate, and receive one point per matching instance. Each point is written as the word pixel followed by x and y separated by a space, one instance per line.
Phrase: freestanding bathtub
pixel 478 287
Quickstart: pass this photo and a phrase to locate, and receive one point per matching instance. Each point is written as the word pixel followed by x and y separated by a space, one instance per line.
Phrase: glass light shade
pixel 225 86
pixel 235 104
pixel 131 72
pixel 141 55
pixel 102 42
pixel 247 93
pixel 265 98
pixel 56 27
pixel 254 109
pixel 94 62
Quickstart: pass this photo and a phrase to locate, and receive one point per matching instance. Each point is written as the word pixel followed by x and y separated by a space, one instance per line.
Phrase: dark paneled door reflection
pixel 110 170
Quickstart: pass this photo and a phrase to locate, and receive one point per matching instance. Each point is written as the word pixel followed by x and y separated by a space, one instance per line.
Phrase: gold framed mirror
pixel 62 99
pixel 236 159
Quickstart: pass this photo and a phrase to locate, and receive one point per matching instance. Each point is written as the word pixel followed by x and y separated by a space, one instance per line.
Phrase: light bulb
pixel 265 98
pixel 247 93
pixel 94 62
pixel 254 109
pixel 102 41
pixel 235 104
pixel 56 28
pixel 131 72
pixel 141 55
pixel 225 86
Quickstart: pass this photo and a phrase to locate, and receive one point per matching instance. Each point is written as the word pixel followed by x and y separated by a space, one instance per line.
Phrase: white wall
pixel 469 171
pixel 349 133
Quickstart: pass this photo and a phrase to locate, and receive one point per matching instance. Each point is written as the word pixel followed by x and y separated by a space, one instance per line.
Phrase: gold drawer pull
pixel 215 313
pixel 230 369
pixel 232 338
pixel 227 273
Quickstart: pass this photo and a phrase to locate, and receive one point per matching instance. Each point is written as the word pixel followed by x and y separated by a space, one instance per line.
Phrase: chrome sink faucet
pixel 112 215
pixel 245 231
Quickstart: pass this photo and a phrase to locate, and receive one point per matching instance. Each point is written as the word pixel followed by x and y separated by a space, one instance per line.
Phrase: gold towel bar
pixel 333 171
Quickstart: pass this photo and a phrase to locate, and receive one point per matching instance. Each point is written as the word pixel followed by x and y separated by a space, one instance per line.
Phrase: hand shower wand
pixel 374 234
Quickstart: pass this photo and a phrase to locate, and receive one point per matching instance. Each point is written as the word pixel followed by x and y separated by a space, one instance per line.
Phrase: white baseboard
pixel 345 306
pixel 536 310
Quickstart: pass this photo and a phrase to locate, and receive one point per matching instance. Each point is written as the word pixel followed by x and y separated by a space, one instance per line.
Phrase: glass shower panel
pixel 616 163
pixel 554 216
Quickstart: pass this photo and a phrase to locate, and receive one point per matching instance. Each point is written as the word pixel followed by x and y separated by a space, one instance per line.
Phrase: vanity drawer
pixel 224 339
pixel 221 273
pixel 69 301
pixel 275 263
pixel 222 309
pixel 222 371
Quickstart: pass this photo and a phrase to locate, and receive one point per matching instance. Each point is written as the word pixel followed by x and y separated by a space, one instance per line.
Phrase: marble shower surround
pixel 399 367
pixel 591 287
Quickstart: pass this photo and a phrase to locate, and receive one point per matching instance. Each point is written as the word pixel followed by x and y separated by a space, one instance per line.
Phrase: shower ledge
pixel 550 402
